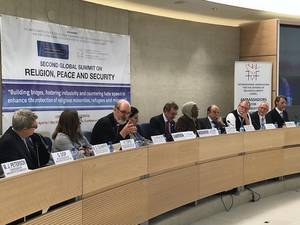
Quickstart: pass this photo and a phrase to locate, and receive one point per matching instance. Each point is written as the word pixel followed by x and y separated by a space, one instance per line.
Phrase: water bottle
pixel 242 129
pixel 74 153
pixel 110 146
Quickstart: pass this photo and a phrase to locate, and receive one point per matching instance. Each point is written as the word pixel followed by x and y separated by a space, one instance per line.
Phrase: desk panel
pixel 125 205
pixel 263 140
pixel 215 147
pixel 172 189
pixel 291 160
pixel 105 171
pixel 39 189
pixel 172 155
pixel 292 136
pixel 67 215
pixel 263 165
pixel 220 175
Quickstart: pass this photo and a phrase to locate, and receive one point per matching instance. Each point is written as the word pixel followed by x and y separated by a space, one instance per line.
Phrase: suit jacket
pixel 256 120
pixel 205 124
pixel 185 123
pixel 106 130
pixel 274 117
pixel 158 126
pixel 12 147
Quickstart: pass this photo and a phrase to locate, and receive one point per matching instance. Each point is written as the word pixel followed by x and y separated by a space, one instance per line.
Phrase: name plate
pixel 158 139
pixel 290 124
pixel 127 144
pixel 62 157
pixel 14 168
pixel 249 128
pixel 100 149
pixel 270 126
pixel 208 132
pixel 230 130
pixel 186 135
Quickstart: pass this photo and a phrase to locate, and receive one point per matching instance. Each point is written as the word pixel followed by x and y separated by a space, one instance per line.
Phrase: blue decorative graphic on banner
pixel 44 97
pixel 52 50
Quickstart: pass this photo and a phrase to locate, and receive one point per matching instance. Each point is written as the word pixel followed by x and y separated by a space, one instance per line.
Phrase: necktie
pixel 167 128
pixel 262 123
pixel 281 114
pixel 214 124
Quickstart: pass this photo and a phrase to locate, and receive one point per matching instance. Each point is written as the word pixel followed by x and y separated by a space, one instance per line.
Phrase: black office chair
pixel 145 130
pixel 88 135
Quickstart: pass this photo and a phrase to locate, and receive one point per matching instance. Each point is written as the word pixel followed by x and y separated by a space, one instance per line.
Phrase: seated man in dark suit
pixel 278 115
pixel 239 117
pixel 213 119
pixel 259 117
pixel 164 123
pixel 114 127
pixel 20 141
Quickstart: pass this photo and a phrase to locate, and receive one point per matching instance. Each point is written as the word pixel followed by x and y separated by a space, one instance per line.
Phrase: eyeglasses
pixel 32 127
pixel 246 108
pixel 123 111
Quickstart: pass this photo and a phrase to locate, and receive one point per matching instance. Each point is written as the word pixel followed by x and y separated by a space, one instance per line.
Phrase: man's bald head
pixel 213 111
pixel 121 111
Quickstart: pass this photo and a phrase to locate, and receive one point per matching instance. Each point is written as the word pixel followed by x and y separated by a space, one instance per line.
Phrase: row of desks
pixel 133 186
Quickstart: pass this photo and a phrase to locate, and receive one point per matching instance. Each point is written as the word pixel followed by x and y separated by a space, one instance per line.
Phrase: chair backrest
pixel 88 135
pixel 146 130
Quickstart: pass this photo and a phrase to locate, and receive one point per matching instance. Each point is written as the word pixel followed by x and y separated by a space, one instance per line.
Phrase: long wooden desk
pixel 130 187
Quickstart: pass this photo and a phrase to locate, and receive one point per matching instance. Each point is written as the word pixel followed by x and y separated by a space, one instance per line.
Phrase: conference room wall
pixel 170 59
pixel 182 61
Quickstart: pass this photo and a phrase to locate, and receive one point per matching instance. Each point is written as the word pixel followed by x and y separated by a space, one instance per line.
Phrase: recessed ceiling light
pixel 179 2
pixel 289 7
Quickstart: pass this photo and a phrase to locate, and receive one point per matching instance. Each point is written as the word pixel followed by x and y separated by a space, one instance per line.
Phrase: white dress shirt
pixel 230 119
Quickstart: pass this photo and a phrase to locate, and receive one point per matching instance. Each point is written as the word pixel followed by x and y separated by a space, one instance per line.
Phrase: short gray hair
pixel 23 118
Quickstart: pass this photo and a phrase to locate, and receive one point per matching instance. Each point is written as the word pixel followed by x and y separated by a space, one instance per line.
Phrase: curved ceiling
pixel 197 10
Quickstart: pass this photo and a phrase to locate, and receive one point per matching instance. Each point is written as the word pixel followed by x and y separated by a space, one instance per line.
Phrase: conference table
pixel 133 186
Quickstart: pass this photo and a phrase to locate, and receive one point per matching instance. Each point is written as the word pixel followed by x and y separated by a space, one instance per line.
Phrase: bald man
pixel 239 117
pixel 259 117
pixel 213 119
pixel 115 126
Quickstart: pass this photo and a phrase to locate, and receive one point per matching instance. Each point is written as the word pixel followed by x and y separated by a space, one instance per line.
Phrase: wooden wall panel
pixel 39 189
pixel 292 136
pixel 172 155
pixel 114 169
pixel 259 38
pixel 125 205
pixel 211 148
pixel 262 166
pixel 257 140
pixel 171 190
pixel 291 160
pixel 67 215
pixel 220 175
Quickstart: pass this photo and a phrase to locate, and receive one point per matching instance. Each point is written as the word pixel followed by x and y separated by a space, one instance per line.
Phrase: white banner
pixel 252 81
pixel 48 67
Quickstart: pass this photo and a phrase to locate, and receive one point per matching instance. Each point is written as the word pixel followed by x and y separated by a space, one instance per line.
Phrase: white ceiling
pixel 196 10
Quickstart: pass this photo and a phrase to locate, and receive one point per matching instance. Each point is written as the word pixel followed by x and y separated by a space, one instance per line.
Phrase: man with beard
pixel 114 127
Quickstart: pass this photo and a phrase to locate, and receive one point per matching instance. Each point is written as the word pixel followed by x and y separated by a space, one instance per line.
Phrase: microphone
pixel 37 139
